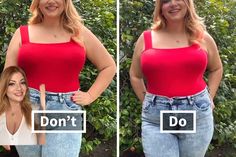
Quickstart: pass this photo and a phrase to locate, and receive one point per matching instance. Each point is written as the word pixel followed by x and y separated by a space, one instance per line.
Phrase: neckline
pixel 59 43
pixel 51 43
pixel 21 123
pixel 172 49
pixel 175 48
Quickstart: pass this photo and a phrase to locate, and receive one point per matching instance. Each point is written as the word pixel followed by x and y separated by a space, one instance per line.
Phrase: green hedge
pixel 100 17
pixel 220 18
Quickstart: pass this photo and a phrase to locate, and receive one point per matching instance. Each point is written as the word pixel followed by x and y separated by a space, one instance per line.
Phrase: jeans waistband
pixel 171 99
pixel 53 95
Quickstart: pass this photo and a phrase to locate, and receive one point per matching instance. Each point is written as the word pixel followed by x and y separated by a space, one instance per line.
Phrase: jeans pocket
pixel 202 103
pixel 69 105
pixel 146 105
pixel 151 110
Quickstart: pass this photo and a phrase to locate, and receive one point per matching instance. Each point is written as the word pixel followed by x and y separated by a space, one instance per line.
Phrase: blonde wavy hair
pixel 4 101
pixel 194 25
pixel 70 19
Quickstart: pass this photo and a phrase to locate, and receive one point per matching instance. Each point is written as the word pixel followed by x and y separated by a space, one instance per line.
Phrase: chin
pixel 18 100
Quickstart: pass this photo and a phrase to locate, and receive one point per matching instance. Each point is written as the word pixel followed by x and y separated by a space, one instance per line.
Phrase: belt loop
pixel 170 106
pixel 171 100
pixel 190 100
pixel 61 98
pixel 154 99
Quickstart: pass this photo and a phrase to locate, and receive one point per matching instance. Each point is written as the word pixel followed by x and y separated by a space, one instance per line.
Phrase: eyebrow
pixel 15 81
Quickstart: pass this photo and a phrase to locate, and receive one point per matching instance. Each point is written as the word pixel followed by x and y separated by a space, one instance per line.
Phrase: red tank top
pixel 57 65
pixel 173 72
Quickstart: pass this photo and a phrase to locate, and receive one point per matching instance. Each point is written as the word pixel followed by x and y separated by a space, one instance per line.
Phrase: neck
pixel 15 106
pixel 52 23
pixel 175 28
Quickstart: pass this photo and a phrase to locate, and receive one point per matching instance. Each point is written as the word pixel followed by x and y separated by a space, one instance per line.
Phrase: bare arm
pixel 13 48
pixel 103 61
pixel 214 65
pixel 136 77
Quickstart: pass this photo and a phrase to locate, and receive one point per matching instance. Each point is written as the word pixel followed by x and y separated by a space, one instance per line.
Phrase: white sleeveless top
pixel 23 136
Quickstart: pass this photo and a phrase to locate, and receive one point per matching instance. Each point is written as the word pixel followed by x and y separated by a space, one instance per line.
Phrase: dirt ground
pixel 105 149
pixel 224 151
pixel 108 149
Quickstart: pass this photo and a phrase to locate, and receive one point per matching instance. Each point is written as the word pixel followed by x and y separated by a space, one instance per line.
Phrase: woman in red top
pixel 52 50
pixel 173 57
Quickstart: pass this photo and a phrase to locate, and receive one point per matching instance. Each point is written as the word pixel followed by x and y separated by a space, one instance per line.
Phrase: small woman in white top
pixel 15 109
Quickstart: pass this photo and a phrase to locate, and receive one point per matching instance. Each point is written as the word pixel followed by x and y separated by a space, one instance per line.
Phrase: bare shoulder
pixel 13 48
pixel 88 38
pixel 86 33
pixel 139 45
pixel 16 39
pixel 208 40
pixel 209 43
pixel 17 36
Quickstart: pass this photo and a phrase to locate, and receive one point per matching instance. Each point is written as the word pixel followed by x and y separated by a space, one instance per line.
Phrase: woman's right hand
pixel 7 147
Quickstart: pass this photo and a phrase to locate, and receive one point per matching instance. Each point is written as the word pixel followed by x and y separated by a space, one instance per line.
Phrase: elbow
pixel 132 75
pixel 113 68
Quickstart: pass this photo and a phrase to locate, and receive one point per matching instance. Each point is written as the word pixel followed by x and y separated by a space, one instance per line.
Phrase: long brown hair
pixel 4 101
pixel 70 19
pixel 194 24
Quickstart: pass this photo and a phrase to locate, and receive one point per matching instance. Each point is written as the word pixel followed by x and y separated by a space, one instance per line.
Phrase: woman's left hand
pixel 212 103
pixel 82 98
pixel 212 106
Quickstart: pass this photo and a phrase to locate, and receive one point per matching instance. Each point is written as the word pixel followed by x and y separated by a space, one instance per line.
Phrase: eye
pixel 11 84
pixel 23 82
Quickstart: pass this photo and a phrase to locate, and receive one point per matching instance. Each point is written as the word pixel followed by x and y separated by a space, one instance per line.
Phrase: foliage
pixel 100 17
pixel 135 17
pixel 221 23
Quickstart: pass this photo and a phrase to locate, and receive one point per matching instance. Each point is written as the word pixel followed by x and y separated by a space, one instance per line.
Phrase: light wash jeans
pixel 156 144
pixel 57 144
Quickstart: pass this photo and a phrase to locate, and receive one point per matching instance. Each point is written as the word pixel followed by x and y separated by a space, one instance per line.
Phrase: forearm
pixel 102 81
pixel 138 87
pixel 214 78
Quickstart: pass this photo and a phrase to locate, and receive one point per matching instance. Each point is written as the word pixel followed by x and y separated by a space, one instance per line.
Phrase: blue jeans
pixel 57 144
pixel 156 144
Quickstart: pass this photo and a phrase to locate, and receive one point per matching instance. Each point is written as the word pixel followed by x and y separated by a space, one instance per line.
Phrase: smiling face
pixel 51 8
pixel 16 88
pixel 174 10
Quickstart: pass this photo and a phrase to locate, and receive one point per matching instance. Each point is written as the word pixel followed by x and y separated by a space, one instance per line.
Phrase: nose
pixel 51 1
pixel 173 2
pixel 19 87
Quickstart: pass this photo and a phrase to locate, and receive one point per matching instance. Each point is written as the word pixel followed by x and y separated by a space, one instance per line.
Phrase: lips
pixel 19 94
pixel 174 11
pixel 51 8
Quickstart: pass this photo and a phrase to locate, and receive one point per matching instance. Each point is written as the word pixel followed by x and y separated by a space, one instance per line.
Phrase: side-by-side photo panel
pixel 177 78
pixel 58 84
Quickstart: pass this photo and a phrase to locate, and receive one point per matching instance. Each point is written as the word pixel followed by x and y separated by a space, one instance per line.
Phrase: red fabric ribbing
pixel 57 65
pixel 173 72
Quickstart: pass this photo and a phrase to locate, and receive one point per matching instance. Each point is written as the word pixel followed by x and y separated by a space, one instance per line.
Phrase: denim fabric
pixel 57 144
pixel 156 144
